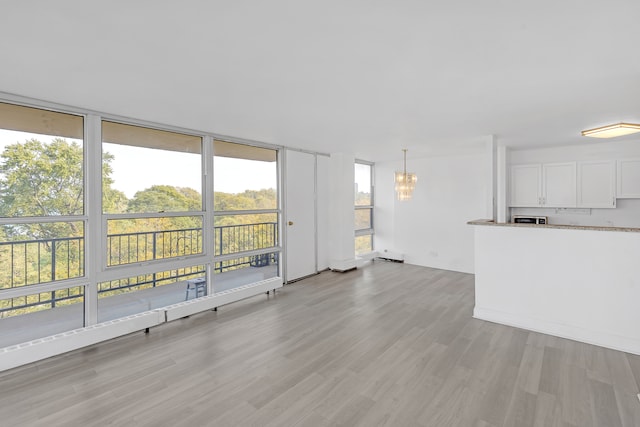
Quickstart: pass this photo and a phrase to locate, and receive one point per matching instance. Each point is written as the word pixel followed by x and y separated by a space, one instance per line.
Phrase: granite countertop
pixel 560 226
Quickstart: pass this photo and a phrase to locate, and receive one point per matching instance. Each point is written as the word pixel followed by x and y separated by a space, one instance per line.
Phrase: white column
pixel 322 212
pixel 94 234
pixel 490 147
pixel 341 212
pixel 502 169
pixel 207 221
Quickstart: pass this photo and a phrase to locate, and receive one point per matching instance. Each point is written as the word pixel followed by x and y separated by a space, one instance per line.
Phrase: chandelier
pixel 405 182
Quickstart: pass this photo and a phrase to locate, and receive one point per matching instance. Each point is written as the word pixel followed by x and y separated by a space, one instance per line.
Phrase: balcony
pixel 37 262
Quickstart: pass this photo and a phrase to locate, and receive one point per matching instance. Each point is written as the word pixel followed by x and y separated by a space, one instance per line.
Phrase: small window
pixel 363 195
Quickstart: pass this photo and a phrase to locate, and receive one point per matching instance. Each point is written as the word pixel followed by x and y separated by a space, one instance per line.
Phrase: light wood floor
pixel 389 344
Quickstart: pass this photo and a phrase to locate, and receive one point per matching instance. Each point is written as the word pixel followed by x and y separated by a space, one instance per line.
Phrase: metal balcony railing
pixel 34 262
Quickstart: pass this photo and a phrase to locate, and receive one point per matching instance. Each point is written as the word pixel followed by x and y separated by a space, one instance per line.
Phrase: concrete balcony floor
pixel 19 329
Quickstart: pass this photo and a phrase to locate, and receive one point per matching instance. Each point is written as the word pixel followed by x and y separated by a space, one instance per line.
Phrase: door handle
pixel 290 223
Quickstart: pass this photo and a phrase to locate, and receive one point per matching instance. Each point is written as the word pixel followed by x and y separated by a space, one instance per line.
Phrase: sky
pixel 136 168
pixel 362 177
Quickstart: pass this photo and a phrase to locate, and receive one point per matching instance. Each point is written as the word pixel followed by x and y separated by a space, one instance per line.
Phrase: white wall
pixel 322 216
pixel 627 211
pixel 341 212
pixel 431 229
pixel 577 284
pixel 592 149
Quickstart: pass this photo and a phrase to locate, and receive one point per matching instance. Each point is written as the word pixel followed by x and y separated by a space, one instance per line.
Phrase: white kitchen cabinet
pixel 559 185
pixel 525 185
pixel 597 184
pixel 543 185
pixel 628 179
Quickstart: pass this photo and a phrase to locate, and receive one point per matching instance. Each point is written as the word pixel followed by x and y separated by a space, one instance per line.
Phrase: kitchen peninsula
pixel 576 282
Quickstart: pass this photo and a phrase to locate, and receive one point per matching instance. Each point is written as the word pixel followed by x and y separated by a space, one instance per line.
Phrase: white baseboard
pixel 572 332
pixel 42 348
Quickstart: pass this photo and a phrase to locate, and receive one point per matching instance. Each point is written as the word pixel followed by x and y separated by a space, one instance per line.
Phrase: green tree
pixel 45 180
pixel 247 200
pixel 165 198
pixel 113 201
pixel 162 198
pixel 38 179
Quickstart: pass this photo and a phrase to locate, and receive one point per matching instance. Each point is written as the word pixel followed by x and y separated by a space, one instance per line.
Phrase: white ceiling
pixel 361 76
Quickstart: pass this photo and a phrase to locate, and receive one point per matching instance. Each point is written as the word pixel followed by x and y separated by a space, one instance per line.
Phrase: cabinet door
pixel 559 185
pixel 525 186
pixel 628 179
pixel 596 184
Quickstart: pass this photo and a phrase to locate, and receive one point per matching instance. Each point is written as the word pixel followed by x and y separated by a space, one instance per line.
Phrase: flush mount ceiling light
pixel 405 182
pixel 611 131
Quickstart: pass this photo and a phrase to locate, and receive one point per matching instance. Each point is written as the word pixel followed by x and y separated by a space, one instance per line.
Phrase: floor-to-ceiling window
pixel 246 209
pixel 42 223
pixel 153 213
pixel 364 207
pixel 101 219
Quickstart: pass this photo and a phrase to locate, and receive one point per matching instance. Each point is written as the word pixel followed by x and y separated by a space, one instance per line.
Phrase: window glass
pixel 147 239
pixel 149 170
pixel 242 271
pixel 239 233
pixel 41 180
pixel 41 177
pixel 364 208
pixel 131 295
pixel 41 158
pixel 245 177
pixel 364 244
pixel 30 258
pixel 363 219
pixel 40 314
pixel 362 185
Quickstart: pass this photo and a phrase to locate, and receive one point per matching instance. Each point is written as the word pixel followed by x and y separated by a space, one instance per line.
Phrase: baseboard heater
pixel 391 256
pixel 187 308
pixel 342 266
pixel 42 348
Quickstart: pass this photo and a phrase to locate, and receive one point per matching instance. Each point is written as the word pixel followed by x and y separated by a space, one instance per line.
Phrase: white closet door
pixel 300 215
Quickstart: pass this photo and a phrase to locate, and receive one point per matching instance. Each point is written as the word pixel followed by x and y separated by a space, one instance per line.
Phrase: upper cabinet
pixel 588 184
pixel 628 179
pixel 525 185
pixel 559 185
pixel 543 185
pixel 597 184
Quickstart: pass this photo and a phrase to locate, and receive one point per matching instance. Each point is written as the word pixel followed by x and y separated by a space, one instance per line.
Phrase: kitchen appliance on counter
pixel 526 219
